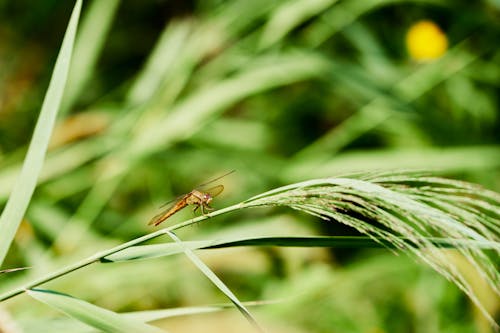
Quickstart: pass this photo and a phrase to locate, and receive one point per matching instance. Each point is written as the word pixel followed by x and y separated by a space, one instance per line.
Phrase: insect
pixel 198 198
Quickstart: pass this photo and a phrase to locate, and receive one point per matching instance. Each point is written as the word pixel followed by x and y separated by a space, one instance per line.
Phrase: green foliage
pixel 22 192
pixel 92 315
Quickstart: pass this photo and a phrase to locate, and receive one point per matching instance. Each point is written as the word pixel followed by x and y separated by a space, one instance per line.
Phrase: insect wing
pixel 170 203
pixel 158 216
pixel 170 206
pixel 173 206
pixel 215 191
pixel 215 179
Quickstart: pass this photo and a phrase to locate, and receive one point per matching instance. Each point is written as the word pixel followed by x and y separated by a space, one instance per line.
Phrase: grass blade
pixel 414 213
pixel 289 16
pixel 152 315
pixel 23 190
pixel 88 47
pixel 154 251
pixel 216 281
pixel 10 270
pixel 97 317
pixel 407 211
pixel 189 114
pixel 144 252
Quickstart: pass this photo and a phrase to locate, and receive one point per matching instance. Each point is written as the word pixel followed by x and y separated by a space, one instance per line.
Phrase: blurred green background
pixel 164 95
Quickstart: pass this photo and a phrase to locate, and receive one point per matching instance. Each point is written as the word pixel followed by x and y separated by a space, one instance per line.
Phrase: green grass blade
pixel 11 270
pixel 190 114
pixel 215 280
pixel 408 210
pixel 380 108
pixel 343 14
pixel 144 252
pixel 289 16
pixel 414 213
pixel 448 159
pixel 23 190
pixel 156 250
pixel 48 324
pixel 88 47
pixel 152 315
pixel 349 242
pixel 97 317
pixel 168 51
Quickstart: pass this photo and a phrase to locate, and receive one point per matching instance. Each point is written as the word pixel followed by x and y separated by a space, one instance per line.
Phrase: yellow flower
pixel 425 41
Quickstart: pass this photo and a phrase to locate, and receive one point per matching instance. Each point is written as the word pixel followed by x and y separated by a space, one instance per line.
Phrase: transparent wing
pixel 160 216
pixel 169 211
pixel 215 179
pixel 173 206
pixel 170 203
pixel 214 191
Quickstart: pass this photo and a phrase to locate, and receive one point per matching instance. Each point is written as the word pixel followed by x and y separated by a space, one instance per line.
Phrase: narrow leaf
pixel 215 280
pixel 10 270
pixel 408 211
pixel 186 311
pixel 23 190
pixel 154 251
pixel 97 317
pixel 143 252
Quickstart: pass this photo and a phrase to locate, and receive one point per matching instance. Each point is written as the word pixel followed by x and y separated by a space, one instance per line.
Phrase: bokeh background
pixel 164 95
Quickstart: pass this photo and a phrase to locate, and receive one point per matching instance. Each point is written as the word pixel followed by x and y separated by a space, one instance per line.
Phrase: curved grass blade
pixel 152 315
pixel 144 252
pixel 408 212
pixel 344 242
pixel 185 118
pixel 97 317
pixel 147 316
pixel 23 190
pixel 88 47
pixel 289 16
pixel 215 280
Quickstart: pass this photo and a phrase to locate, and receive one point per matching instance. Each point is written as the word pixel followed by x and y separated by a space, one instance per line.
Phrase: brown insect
pixel 198 198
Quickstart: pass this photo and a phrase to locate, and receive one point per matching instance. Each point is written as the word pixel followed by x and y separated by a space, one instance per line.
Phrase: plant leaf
pixel 407 210
pixel 97 317
pixel 23 190
pixel 215 280
pixel 143 252
pixel 154 251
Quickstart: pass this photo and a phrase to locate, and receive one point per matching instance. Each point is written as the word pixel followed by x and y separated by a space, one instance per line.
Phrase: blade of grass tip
pixel 90 314
pixel 10 270
pixel 88 47
pixel 215 280
pixel 152 315
pixel 25 186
